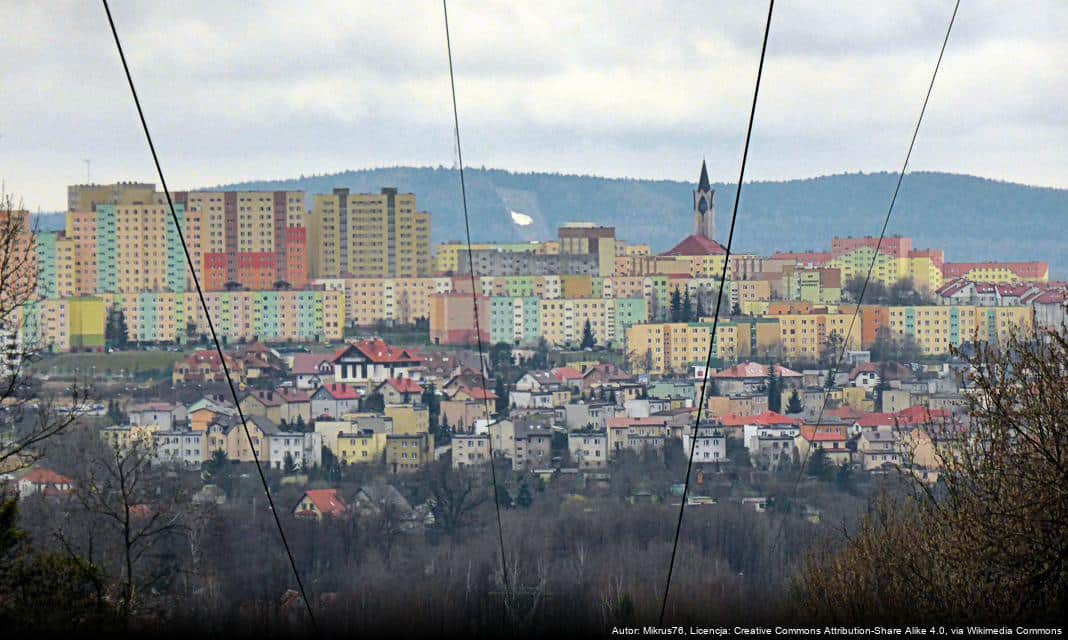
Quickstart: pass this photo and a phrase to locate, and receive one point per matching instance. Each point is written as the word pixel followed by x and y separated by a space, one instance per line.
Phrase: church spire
pixel 704 212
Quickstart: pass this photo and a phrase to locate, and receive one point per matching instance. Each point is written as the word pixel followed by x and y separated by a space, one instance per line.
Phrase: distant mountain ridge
pixel 971 218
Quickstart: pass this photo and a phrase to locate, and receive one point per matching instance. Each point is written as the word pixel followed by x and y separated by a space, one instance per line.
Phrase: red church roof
pixel 695 245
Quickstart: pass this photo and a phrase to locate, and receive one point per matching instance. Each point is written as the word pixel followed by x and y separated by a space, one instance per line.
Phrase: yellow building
pixel 85 322
pixel 360 447
pixel 408 419
pixel 85 197
pixel 937 329
pixel 406 453
pixel 368 235
pixel 674 346
pixel 806 335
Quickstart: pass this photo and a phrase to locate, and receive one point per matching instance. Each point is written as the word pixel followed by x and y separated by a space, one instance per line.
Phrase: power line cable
pixel 715 320
pixel 871 267
pixel 474 295
pixel 207 315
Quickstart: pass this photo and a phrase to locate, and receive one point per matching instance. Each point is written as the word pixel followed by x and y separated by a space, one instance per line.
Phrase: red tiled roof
pixel 341 391
pixel 869 420
pixel 1021 269
pixel 812 433
pixel 755 370
pixel 844 413
pixel 405 385
pixel 46 476
pixel 478 393
pixel 917 415
pixel 379 352
pixel 695 245
pixel 308 363
pixel 563 374
pixel 327 501
pixel 622 423
pixel 766 419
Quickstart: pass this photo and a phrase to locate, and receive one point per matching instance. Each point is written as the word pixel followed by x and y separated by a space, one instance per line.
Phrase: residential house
pixel 41 481
pixel 830 440
pixel 184 448
pixel 750 377
pixel 578 415
pixel 310 371
pixel 879 449
pixel 469 449
pixel 636 434
pixel 266 403
pixel 205 366
pixel 408 419
pixel 533 448
pixel 334 400
pixel 400 391
pixel 588 448
pixel 205 411
pixel 709 443
pixel 359 446
pixel 161 415
pixel 407 453
pixel 317 503
pixel 369 362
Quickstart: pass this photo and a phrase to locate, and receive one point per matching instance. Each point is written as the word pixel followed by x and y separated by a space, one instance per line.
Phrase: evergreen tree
pixel 818 465
pixel 687 307
pixel 374 403
pixel 116 333
pixel 588 341
pixel 676 305
pixel 795 405
pixel 288 464
pixel 524 499
pixel 501 404
pixel 774 391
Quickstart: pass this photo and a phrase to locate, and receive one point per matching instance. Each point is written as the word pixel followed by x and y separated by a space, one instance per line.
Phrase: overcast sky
pixel 236 91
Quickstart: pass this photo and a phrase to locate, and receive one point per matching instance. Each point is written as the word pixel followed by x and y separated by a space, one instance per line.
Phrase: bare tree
pixel 117 488
pixel 992 547
pixel 456 494
pixel 27 417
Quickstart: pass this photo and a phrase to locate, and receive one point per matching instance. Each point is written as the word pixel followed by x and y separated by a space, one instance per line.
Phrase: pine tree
pixel 676 305
pixel 588 341
pixel 524 499
pixel 795 405
pixel 774 391
pixel 687 307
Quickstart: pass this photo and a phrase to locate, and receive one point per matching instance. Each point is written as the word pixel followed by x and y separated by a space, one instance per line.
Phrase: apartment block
pixel 368 235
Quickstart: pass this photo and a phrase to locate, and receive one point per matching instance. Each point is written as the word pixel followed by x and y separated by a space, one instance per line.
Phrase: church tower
pixel 704 212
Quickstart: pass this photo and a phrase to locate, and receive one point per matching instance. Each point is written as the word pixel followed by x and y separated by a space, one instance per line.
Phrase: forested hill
pixel 971 218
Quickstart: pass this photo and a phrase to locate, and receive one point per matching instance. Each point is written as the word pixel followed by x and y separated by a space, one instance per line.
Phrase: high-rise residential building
pixel 368 235
pixel 85 197
pixel 254 238
pixel 586 238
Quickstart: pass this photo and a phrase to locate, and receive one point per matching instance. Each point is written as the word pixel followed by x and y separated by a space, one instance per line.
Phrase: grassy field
pixel 106 363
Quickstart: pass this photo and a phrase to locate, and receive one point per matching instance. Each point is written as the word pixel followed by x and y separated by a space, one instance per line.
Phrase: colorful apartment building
pixel 253 238
pixel 273 316
pixel 997 271
pixel 676 346
pixel 937 329
pixel 368 235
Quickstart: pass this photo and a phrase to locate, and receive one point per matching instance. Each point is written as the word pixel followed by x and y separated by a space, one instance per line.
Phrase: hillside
pixel 971 218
